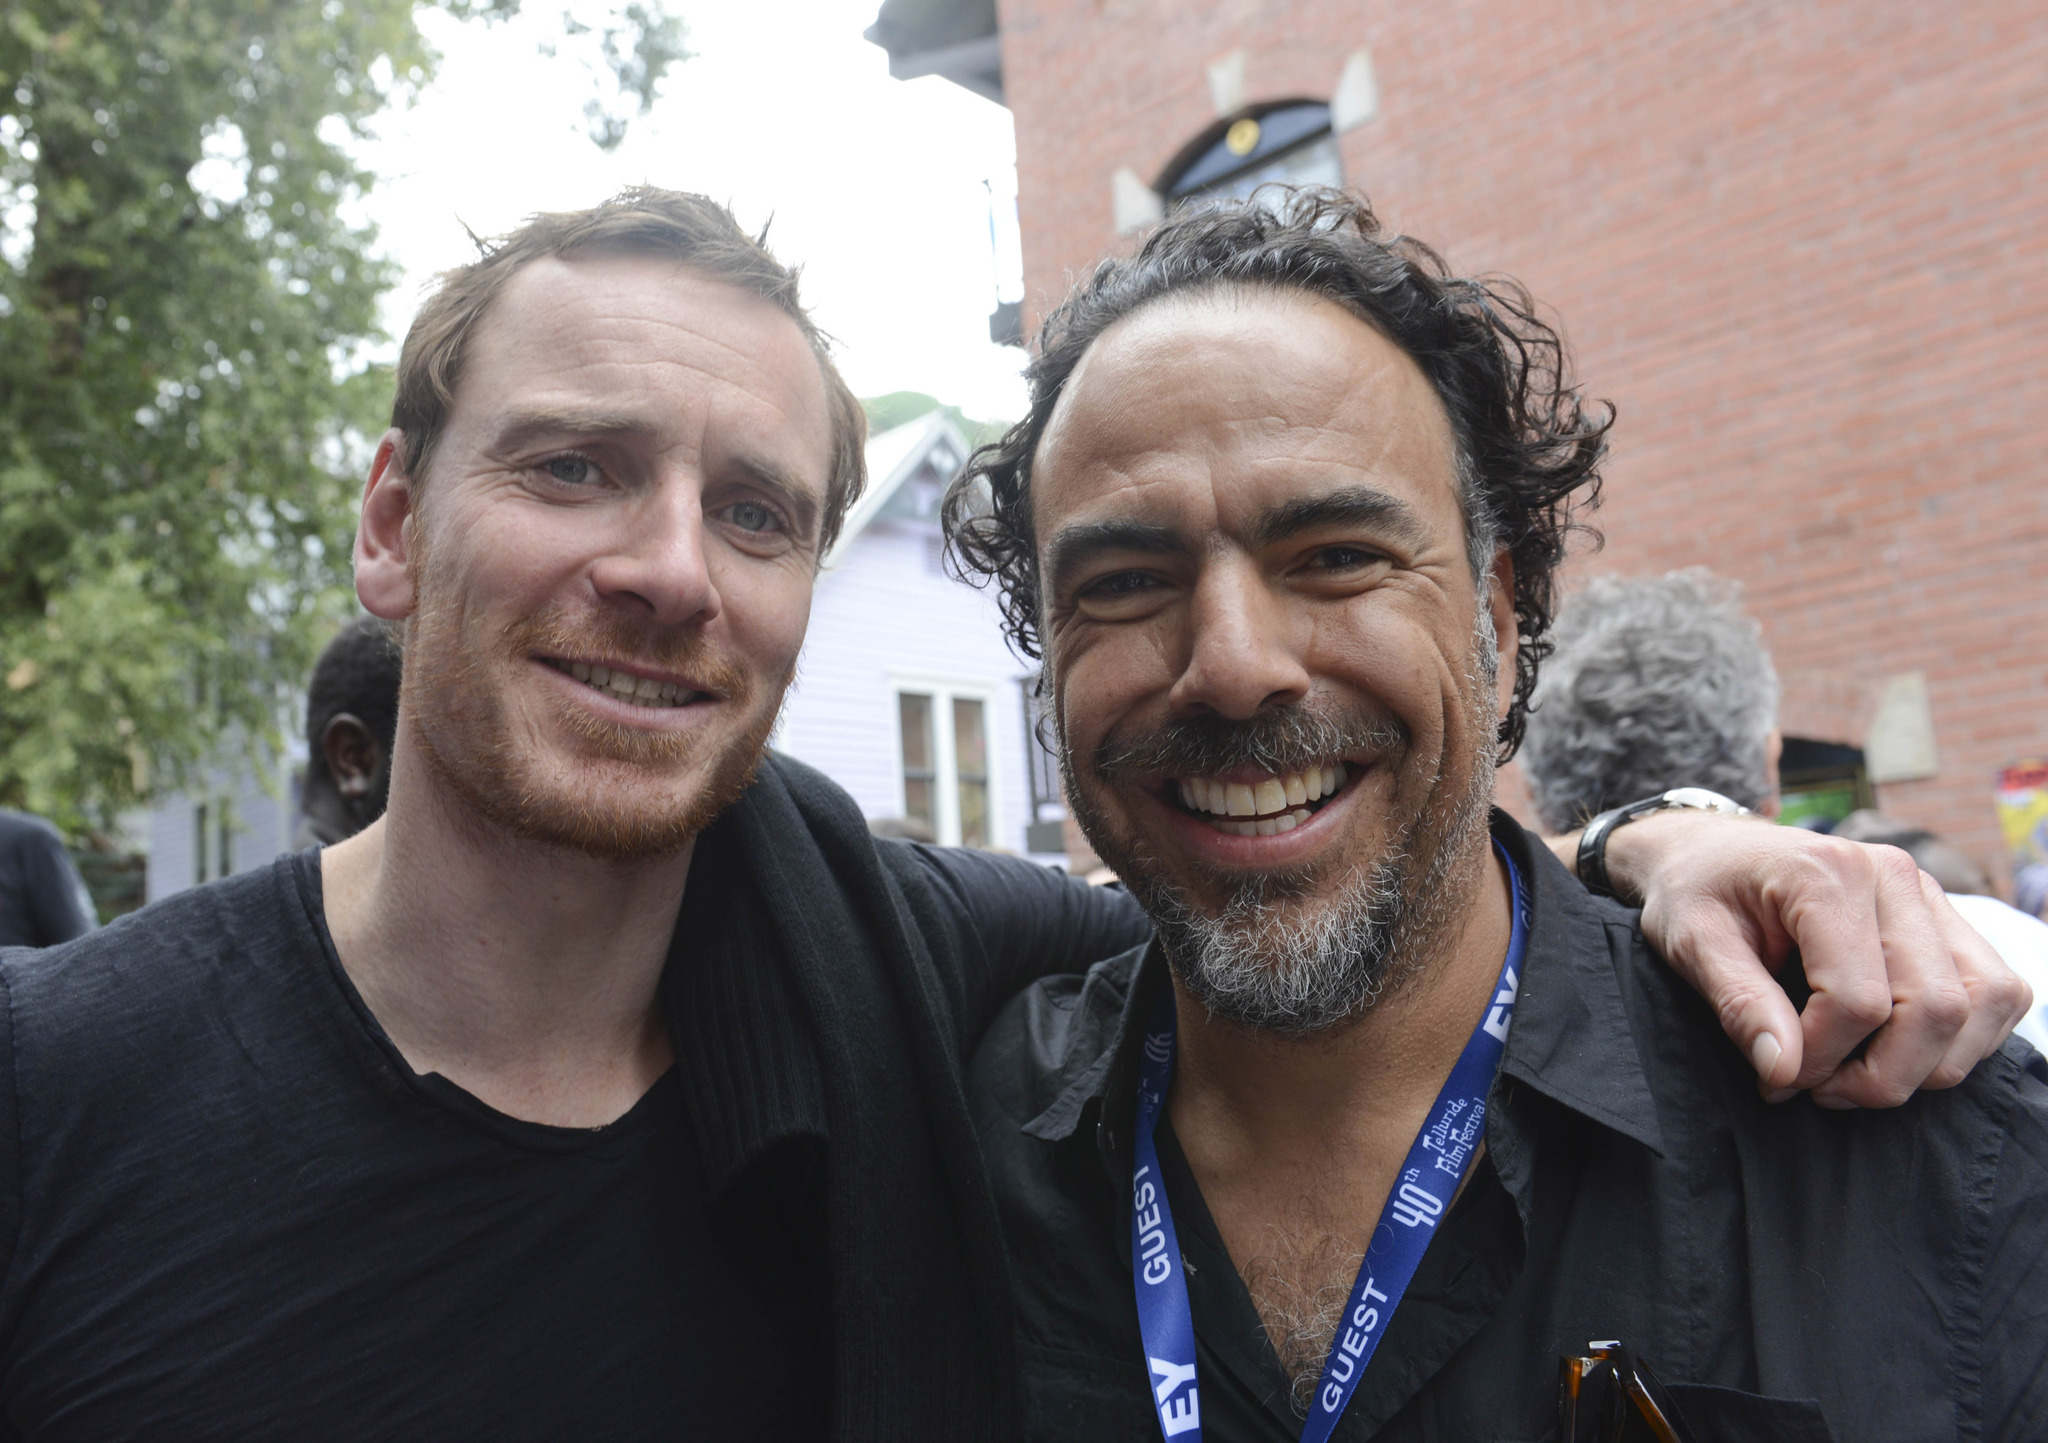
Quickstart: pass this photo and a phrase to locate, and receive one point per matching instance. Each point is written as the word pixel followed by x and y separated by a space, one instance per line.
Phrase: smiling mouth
pixel 624 686
pixel 1265 807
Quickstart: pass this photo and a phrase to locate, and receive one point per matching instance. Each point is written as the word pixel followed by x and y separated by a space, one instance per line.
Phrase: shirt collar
pixel 1107 1075
pixel 1572 1039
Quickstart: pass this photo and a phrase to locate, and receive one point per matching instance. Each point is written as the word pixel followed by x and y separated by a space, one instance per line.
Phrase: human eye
pixel 753 517
pixel 571 469
pixel 1343 558
pixel 1117 586
pixel 755 525
pixel 1120 596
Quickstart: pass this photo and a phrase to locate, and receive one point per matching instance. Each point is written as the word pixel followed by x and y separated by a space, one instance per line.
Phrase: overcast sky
pixel 880 188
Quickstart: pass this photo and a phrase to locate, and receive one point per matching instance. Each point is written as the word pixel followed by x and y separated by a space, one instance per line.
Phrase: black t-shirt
pixel 42 899
pixel 229 1209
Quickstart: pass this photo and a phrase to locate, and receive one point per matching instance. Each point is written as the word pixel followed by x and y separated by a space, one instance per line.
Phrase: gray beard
pixel 1302 970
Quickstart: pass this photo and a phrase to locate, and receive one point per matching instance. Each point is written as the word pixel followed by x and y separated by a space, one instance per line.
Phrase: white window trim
pixel 946 762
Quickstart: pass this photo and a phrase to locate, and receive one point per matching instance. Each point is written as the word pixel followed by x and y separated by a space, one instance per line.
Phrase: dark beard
pixel 1300 970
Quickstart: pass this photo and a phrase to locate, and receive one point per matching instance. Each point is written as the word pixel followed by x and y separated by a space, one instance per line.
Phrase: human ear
pixel 383 538
pixel 1507 632
pixel 353 755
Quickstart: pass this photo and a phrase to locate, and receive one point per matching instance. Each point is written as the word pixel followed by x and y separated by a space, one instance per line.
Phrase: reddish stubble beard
pixel 618 793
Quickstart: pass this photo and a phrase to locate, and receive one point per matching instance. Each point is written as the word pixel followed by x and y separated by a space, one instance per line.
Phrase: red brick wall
pixel 1803 246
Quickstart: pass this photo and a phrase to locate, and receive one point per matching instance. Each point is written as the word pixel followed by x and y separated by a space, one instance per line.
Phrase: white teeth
pixel 620 686
pixel 1279 800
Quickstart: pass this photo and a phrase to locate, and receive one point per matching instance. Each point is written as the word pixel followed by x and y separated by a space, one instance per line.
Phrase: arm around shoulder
pixel 1020 921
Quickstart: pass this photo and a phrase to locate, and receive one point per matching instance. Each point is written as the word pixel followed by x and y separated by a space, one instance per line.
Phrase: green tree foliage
pixel 184 296
pixel 901 407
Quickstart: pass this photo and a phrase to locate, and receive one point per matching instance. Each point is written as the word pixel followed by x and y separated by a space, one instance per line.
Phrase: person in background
pixel 43 900
pixel 351 723
pixel 1958 872
pixel 2030 890
pixel 1657 682
pixel 1661 682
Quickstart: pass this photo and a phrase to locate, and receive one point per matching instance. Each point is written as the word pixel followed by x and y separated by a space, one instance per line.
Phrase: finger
pixel 1929 1005
pixel 1999 997
pixel 1833 917
pixel 1726 966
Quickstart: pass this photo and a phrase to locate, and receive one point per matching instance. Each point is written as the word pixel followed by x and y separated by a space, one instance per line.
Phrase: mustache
pixel 550 631
pixel 1276 739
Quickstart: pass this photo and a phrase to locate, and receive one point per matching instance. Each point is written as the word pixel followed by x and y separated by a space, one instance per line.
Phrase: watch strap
pixel 1593 840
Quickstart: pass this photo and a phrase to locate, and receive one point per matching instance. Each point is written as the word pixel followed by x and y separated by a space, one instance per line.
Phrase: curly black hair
pixel 1529 449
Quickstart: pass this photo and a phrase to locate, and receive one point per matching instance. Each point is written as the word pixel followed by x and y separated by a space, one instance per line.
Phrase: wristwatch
pixel 1593 841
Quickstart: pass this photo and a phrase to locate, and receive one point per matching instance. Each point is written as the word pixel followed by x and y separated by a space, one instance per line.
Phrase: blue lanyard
pixel 1435 1167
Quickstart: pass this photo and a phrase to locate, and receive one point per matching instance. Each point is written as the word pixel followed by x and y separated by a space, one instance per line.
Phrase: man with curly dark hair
pixel 1392 1114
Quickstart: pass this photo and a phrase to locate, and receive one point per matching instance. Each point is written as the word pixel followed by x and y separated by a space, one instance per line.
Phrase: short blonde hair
pixel 691 230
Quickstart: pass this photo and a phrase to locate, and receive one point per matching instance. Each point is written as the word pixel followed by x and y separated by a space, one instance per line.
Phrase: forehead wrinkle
pixel 603 333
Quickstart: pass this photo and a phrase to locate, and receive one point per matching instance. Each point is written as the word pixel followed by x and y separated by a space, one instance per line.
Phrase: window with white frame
pixel 213 839
pixel 943 731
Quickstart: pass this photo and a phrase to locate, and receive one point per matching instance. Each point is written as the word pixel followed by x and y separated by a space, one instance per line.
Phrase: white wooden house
pixel 236 819
pixel 907 694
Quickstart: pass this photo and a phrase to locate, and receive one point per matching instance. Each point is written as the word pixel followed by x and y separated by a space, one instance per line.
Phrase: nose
pixel 1241 651
pixel 658 564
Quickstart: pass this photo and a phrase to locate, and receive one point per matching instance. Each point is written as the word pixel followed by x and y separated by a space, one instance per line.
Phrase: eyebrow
pixel 523 428
pixel 1074 546
pixel 1349 506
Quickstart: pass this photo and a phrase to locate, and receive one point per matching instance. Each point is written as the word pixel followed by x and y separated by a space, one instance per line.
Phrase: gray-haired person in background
pixel 1661 682
pixel 1657 682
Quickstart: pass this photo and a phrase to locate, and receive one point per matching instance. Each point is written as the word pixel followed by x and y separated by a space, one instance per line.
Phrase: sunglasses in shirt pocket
pixel 1613 1395
pixel 1728 1415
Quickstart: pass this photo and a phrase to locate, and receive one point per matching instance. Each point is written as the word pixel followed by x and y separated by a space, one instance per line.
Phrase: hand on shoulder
pixel 1726 899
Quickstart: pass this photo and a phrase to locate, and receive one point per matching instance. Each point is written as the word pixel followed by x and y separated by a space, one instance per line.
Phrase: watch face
pixel 1699 799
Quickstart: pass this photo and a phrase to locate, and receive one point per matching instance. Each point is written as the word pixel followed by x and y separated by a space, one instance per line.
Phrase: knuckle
pixel 1947 1004
pixel 1946 1074
pixel 1866 1002
pixel 1734 1003
pixel 1843 859
pixel 1838 880
pixel 1897 866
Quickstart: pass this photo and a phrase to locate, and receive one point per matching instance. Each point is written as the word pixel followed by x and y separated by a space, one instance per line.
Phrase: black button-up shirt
pixel 1792 1273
